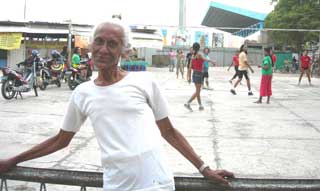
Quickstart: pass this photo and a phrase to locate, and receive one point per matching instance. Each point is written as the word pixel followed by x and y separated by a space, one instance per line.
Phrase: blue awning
pixel 221 15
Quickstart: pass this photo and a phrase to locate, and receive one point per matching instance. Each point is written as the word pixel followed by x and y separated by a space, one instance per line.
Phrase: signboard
pixel 164 34
pixel 45 44
pixel 10 41
pixel 202 38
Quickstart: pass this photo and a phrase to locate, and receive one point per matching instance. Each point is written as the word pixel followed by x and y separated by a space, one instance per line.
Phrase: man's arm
pixel 178 141
pixel 205 59
pixel 230 66
pixel 51 145
pixel 247 63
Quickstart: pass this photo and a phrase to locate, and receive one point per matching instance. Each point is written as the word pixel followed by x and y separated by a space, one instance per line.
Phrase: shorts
pixel 243 72
pixel 236 68
pixel 205 75
pixel 305 67
pixel 197 77
pixel 172 61
pixel 188 64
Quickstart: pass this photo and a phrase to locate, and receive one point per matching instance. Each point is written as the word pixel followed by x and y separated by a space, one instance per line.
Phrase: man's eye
pixel 112 44
pixel 98 41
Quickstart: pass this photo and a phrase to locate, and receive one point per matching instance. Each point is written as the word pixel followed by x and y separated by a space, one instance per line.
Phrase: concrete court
pixel 279 140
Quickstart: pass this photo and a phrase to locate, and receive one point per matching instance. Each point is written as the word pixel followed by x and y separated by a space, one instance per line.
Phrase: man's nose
pixel 104 47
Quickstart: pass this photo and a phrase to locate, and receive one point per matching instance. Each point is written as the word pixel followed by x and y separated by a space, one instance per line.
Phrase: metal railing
pixel 94 179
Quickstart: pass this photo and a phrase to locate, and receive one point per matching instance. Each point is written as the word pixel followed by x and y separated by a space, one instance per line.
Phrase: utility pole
pixel 319 56
pixel 69 41
pixel 182 14
pixel 182 20
pixel 25 10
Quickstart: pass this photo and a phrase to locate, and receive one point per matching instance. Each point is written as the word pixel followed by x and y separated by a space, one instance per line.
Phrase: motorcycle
pixel 52 70
pixel 15 82
pixel 75 78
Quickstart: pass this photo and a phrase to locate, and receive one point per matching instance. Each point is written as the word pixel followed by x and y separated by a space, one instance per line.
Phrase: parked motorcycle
pixel 15 82
pixel 52 70
pixel 76 78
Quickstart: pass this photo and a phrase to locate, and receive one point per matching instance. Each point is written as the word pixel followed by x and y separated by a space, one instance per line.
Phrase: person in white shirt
pixel 129 115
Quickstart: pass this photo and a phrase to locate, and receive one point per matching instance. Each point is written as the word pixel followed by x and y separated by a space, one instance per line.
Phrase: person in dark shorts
pixel 205 70
pixel 197 75
pixel 188 61
pixel 243 70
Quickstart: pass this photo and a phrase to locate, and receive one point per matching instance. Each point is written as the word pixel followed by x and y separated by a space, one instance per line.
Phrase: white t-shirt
pixel 123 117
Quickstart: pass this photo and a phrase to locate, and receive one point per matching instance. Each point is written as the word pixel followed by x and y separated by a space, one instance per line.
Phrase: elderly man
pixel 129 115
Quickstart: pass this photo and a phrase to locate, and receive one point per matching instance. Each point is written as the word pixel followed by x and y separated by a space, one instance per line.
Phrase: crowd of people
pixel 197 65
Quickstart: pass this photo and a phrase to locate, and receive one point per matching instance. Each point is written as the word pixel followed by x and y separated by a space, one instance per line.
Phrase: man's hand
pixel 251 70
pixel 6 165
pixel 218 175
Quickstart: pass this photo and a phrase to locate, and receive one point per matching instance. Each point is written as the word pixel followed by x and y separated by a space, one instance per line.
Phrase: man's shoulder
pixel 242 54
pixel 266 59
pixel 84 87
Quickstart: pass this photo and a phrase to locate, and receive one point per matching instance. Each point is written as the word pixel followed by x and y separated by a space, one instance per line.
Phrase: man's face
pixel 107 46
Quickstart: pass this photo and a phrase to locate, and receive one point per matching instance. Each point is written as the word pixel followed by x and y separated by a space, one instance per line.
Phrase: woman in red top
pixel 196 65
pixel 305 61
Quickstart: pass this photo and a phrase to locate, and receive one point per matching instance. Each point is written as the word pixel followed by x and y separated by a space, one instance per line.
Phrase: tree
pixel 294 14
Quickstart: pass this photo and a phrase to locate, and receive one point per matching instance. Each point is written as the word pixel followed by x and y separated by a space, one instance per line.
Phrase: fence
pixel 222 56
pixel 94 179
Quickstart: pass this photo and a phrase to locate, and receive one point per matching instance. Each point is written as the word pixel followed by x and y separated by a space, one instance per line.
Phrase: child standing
pixel 205 70
pixel 305 66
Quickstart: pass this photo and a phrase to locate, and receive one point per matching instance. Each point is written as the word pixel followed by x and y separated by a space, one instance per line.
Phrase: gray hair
pixel 126 38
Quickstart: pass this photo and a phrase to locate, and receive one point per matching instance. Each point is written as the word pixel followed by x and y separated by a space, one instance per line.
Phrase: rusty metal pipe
pixel 94 179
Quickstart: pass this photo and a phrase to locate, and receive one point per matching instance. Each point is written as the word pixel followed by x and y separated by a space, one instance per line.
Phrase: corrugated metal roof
pixel 44 28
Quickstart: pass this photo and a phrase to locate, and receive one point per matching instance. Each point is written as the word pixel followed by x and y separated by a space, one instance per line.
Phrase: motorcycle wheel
pixel 43 84
pixel 35 86
pixel 72 82
pixel 58 83
pixel 7 89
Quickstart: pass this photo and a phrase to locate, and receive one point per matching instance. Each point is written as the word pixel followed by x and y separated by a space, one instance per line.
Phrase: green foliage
pixel 294 14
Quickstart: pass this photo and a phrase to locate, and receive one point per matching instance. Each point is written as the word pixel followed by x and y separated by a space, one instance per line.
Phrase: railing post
pixel 43 187
pixel 3 183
